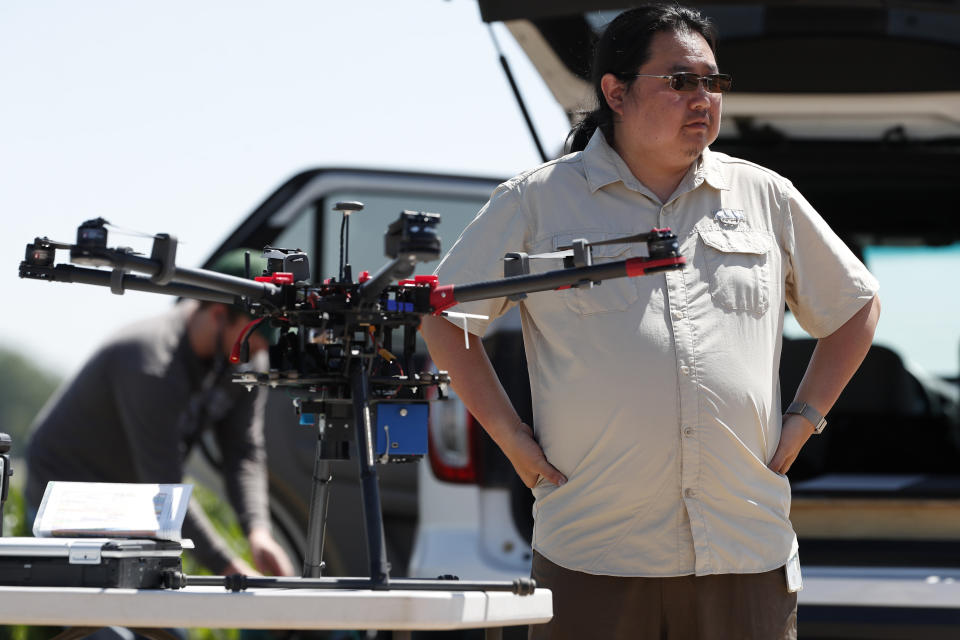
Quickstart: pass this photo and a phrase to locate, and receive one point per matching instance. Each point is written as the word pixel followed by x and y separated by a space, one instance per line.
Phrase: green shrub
pixel 24 387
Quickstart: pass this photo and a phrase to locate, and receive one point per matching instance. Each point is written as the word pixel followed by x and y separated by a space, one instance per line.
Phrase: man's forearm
pixel 837 357
pixel 471 375
pixel 834 361
pixel 240 437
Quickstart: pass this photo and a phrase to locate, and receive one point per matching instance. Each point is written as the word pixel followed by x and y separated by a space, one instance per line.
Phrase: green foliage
pixel 15 521
pixel 224 521
pixel 24 387
pixel 20 632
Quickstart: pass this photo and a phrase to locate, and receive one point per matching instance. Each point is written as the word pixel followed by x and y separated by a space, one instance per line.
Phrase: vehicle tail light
pixel 454 444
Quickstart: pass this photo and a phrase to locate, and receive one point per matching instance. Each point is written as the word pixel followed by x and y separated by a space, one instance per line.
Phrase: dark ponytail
pixel 623 48
pixel 582 131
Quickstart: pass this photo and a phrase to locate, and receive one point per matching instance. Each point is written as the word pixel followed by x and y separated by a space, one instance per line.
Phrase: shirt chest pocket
pixel 737 267
pixel 617 294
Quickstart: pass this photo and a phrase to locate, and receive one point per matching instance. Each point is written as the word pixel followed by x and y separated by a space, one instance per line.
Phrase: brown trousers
pixel 717 607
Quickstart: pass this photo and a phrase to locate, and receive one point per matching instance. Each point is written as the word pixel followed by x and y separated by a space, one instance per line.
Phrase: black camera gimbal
pixel 335 354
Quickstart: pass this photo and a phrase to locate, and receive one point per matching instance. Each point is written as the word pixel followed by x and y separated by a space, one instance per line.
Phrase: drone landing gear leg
pixel 319 502
pixel 369 488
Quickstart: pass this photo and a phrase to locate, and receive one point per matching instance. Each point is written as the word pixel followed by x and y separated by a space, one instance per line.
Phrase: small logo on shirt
pixel 729 217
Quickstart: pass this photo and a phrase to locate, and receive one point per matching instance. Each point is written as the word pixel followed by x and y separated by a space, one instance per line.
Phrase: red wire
pixel 238 345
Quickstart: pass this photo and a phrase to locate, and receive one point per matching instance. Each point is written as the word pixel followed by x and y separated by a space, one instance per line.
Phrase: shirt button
pixel 685 370
pixel 690 493
pixel 678 315
pixel 688 431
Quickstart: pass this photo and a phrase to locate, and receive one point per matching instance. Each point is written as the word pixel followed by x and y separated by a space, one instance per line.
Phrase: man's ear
pixel 614 91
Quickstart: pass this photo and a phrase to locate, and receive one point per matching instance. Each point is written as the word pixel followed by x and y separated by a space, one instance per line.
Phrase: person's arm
pixel 476 383
pixel 241 440
pixel 267 553
pixel 149 408
pixel 834 361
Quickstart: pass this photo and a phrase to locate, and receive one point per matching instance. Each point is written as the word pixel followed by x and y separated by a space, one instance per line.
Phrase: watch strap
pixel 808 412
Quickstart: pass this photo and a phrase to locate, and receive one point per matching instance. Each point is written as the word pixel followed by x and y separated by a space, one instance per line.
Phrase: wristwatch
pixel 808 412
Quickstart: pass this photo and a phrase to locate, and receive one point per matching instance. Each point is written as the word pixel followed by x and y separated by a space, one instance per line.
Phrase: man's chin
pixel 693 152
pixel 696 141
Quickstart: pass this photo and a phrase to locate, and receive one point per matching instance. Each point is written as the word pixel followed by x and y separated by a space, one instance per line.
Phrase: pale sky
pixel 181 117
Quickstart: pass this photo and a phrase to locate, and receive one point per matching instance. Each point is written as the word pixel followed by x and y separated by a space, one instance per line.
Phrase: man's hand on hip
pixel 527 457
pixel 793 436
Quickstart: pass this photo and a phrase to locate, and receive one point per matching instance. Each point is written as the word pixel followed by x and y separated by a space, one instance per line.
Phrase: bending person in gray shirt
pixel 139 404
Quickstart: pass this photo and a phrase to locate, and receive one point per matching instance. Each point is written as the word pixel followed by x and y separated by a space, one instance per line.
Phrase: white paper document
pixel 110 509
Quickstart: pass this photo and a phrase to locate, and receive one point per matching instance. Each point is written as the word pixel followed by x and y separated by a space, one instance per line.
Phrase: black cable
pixel 516 94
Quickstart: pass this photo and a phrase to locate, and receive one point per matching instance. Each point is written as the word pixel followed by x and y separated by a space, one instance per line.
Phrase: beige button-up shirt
pixel 658 396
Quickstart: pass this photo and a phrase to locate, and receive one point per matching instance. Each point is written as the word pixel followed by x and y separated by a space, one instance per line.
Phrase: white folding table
pixel 215 607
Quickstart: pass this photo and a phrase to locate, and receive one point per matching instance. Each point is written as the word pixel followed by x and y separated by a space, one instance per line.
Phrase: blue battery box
pixel 402 428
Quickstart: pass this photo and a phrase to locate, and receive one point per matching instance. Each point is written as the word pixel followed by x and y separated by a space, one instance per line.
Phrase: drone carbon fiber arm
pixel 443 297
pixel 409 239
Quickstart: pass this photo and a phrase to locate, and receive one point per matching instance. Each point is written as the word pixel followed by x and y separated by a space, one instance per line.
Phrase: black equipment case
pixel 126 563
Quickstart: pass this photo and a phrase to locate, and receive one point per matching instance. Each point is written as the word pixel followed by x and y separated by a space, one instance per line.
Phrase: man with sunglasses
pixel 658 459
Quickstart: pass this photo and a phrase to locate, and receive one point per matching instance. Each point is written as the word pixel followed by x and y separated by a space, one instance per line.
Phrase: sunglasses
pixel 687 81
